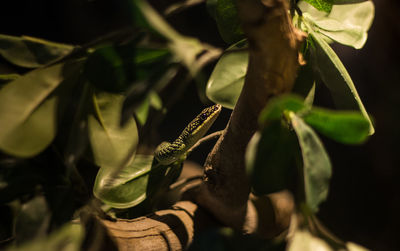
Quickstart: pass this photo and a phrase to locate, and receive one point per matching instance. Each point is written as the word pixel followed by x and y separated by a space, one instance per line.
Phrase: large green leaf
pixel 316 164
pixel 227 79
pixel 27 113
pixel 67 238
pixel 323 5
pixel 112 146
pixel 335 76
pixel 139 180
pixel 344 126
pixel 269 158
pixel 31 52
pixel 346 24
pixel 225 14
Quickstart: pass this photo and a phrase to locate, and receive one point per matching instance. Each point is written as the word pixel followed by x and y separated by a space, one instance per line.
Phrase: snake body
pixel 167 153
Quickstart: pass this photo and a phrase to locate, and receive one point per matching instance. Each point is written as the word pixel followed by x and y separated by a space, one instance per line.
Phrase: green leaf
pixel 276 106
pixel 303 240
pixel 31 52
pixel 225 14
pixel 143 111
pixel 28 113
pixel 347 127
pixel 139 180
pixel 227 79
pixel 317 168
pixel 185 49
pixel 323 5
pixel 112 145
pixel 309 100
pixel 33 220
pixel 67 238
pixel 114 68
pixel 337 79
pixel 269 158
pixel 155 100
pixel 346 24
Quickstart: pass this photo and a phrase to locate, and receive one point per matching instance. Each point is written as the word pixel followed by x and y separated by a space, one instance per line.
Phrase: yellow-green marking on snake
pixel 167 153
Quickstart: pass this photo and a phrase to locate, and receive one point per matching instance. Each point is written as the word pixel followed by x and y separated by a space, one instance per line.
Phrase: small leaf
pixel 355 247
pixel 139 180
pixel 346 24
pixel 316 163
pixel 33 220
pixel 27 113
pixel 114 68
pixel 344 126
pixel 276 106
pixel 323 5
pixel 155 100
pixel 337 79
pixel 227 79
pixel 302 240
pixel 269 158
pixel 31 52
pixel 67 238
pixel 112 145
pixel 309 100
pixel 225 14
pixel 143 111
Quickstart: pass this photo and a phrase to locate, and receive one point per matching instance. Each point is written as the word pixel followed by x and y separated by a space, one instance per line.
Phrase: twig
pixel 204 139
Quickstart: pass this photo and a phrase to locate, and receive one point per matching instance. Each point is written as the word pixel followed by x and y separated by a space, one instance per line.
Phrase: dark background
pixel 364 202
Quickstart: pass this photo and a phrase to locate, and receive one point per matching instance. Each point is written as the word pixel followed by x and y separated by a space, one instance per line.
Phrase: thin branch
pixel 209 137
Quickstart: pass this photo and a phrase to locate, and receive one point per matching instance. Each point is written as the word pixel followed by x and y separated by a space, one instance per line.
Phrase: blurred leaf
pixel 225 14
pixel 31 52
pixel 346 24
pixel 323 5
pixel 269 158
pixel 8 77
pixel 68 238
pixel 77 136
pixel 155 100
pixel 27 113
pixel 226 81
pixel 114 68
pixel 276 106
pixel 112 145
pixel 185 49
pixel 309 100
pixel 33 220
pixel 302 240
pixel 139 180
pixel 143 111
pixel 316 164
pixel 344 126
pixel 139 91
pixel 355 247
pixel 337 79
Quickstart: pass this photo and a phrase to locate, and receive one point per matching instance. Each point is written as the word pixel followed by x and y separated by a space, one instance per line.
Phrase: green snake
pixel 167 153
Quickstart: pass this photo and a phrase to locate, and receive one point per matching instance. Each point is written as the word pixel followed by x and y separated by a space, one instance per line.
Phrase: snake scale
pixel 167 153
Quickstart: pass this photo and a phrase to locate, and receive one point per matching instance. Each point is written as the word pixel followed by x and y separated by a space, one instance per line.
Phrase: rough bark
pixel 224 193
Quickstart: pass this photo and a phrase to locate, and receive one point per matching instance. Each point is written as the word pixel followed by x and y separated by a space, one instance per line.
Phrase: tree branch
pixel 273 64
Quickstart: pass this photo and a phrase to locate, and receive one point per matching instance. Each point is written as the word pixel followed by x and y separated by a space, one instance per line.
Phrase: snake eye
pixel 203 116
